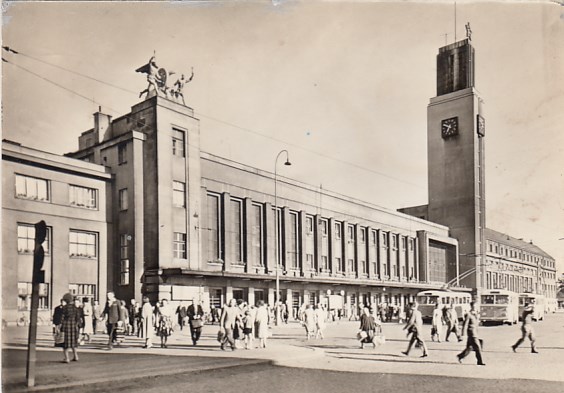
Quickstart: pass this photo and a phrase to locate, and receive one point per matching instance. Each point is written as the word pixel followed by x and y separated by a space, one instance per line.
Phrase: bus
pixel 538 301
pixel 428 299
pixel 499 305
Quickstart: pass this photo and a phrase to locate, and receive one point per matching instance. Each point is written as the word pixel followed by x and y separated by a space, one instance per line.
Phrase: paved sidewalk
pixel 98 364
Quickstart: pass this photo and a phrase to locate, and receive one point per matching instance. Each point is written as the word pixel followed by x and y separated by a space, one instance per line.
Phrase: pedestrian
pixel 320 315
pixel 470 327
pixel 114 316
pixel 80 311
pixel 132 311
pixel 367 328
pixel 261 320
pixel 58 335
pixel 147 316
pixel 88 328
pixel 308 321
pixel 437 323
pixel 70 327
pixel 527 328
pixel 96 316
pixel 383 312
pixel 164 329
pixel 230 316
pixel 414 327
pixel 248 323
pixel 195 314
pixel 181 315
pixel 451 319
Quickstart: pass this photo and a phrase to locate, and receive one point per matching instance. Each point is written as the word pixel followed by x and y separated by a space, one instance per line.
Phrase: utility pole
pixel 38 278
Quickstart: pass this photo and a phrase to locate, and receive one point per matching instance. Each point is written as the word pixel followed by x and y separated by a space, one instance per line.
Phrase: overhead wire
pixel 244 129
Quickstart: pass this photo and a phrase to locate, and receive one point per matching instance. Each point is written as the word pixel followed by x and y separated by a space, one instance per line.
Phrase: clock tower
pixel 455 148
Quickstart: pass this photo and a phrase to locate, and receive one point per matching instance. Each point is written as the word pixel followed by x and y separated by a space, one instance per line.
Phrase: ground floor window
pixel 216 297
pixel 24 296
pixel 83 290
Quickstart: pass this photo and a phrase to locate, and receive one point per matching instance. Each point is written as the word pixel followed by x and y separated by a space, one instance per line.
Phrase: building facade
pixel 191 224
pixel 70 196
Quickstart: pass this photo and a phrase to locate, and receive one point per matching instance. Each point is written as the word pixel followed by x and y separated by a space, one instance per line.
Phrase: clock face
pixel 449 127
pixel 481 126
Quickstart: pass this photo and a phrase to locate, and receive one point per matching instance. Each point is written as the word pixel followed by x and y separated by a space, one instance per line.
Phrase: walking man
pixel 470 327
pixel 229 317
pixel 114 317
pixel 195 315
pixel 414 327
pixel 451 318
pixel 527 328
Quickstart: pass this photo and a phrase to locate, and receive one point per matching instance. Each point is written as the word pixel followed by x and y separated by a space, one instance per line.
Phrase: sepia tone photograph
pixel 271 195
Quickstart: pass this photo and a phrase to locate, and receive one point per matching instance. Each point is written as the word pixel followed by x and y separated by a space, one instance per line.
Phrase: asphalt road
pixel 273 379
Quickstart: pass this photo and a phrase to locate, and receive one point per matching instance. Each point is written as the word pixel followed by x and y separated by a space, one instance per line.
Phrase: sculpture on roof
pixel 157 81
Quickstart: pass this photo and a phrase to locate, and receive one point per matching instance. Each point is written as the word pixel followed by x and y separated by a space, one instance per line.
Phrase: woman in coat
pixel 88 328
pixel 70 327
pixel 261 322
pixel 147 316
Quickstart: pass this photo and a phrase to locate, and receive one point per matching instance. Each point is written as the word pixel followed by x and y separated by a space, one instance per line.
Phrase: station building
pixel 140 209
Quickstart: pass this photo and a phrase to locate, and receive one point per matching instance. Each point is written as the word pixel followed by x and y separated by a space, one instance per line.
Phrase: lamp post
pixel 277 297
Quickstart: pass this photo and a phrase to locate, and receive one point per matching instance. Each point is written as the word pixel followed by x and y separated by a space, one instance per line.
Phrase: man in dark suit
pixel 470 327
pixel 114 316
pixel 195 318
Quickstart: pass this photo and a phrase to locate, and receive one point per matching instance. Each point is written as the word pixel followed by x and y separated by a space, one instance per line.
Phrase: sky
pixel 342 85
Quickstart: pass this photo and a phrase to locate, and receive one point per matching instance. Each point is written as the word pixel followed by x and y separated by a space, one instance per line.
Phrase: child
pixel 248 329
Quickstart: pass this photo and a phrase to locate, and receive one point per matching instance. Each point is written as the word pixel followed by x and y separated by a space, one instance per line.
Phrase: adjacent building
pixel 71 197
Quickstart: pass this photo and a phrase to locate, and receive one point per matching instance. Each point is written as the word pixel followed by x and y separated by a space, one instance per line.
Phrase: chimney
pixel 102 126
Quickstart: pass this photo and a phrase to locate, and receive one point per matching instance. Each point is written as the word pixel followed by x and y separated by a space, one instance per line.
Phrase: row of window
pixel 81 244
pixel 289 243
pixel 178 196
pixel 38 189
pixel 25 288
pixel 519 254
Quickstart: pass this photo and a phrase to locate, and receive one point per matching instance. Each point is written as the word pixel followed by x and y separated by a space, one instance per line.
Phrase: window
pixel 82 197
pixel 124 259
pixel 215 253
pixel 293 243
pixel 324 227
pixel 352 267
pixel 257 235
pixel 340 267
pixel 179 245
pixel 24 296
pixel 384 239
pixel 179 194
pixel 26 239
pixel 82 244
pixel 83 290
pixel 178 143
pixel 337 230
pixel 122 153
pixel 394 241
pixel 32 188
pixel 363 267
pixel 373 238
pixel 124 246
pixel 411 243
pixel 325 262
pixel 403 243
pixel 123 202
pixel 309 261
pixel 237 230
pixel 309 225
pixel 362 234
pixel 350 233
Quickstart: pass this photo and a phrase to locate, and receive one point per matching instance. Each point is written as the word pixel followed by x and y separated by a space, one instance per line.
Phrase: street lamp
pixel 277 306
